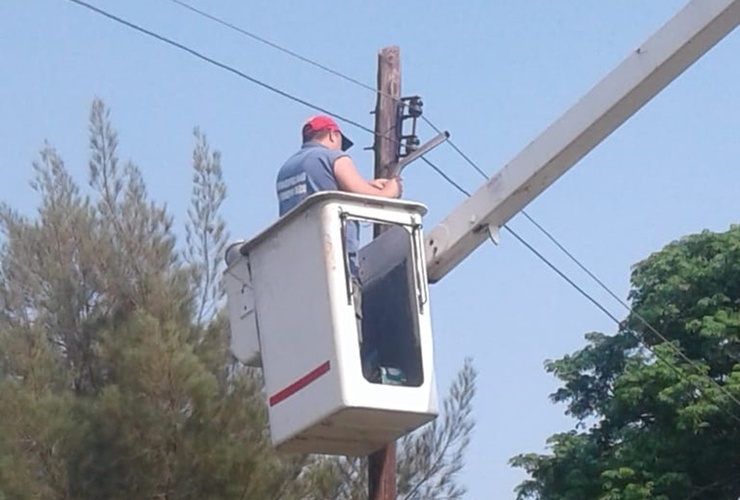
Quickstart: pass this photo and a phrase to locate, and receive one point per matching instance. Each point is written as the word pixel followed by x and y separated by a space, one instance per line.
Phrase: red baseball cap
pixel 323 122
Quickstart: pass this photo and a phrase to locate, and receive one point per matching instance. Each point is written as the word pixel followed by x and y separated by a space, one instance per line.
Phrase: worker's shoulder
pixel 315 150
pixel 313 160
pixel 318 157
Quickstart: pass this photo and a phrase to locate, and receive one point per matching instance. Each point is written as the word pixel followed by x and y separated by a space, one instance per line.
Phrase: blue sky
pixel 494 74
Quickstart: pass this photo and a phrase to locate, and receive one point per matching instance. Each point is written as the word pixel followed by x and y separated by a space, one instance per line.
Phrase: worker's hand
pixel 393 187
pixel 379 183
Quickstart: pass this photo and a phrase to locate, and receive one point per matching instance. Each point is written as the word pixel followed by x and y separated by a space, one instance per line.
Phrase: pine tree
pixel 116 378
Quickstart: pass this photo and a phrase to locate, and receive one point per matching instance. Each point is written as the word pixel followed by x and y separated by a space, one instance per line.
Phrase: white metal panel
pixel 241 307
pixel 296 325
pixel 662 58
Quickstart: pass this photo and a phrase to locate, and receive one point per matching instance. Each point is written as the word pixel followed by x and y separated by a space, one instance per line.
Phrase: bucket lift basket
pixel 336 384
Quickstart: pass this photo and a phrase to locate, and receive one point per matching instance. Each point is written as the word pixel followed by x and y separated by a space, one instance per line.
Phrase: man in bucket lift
pixel 323 164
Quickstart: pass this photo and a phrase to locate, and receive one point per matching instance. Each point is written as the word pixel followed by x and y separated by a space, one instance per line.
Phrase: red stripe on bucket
pixel 300 384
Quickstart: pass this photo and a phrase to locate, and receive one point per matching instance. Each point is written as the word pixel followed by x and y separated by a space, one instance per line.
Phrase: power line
pixel 458 150
pixel 287 51
pixel 589 297
pixel 596 303
pixel 601 307
pixel 531 248
pixel 274 45
pixel 637 315
pixel 446 177
pixel 572 257
pixel 575 260
pixel 223 66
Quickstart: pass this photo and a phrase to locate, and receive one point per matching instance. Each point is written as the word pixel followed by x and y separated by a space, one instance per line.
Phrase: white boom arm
pixel 663 57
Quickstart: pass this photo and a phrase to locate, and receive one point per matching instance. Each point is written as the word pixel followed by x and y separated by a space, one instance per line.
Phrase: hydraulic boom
pixel 652 67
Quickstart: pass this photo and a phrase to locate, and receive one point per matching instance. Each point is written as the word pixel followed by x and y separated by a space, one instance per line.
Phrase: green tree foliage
pixel 116 380
pixel 659 429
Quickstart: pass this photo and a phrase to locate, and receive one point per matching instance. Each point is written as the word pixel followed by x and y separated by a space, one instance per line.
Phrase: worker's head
pixel 324 130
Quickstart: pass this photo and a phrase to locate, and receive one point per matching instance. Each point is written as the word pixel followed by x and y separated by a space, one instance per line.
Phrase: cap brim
pixel 346 143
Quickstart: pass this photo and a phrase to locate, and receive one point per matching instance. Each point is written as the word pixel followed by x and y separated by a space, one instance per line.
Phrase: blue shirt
pixel 309 171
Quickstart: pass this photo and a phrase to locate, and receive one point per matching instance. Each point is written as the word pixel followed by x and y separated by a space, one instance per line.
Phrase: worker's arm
pixel 350 180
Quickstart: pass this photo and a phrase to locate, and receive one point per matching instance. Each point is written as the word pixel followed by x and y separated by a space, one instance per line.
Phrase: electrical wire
pixel 274 45
pixel 601 307
pixel 457 149
pixel 531 248
pixel 226 67
pixel 608 290
pixel 284 50
pixel 634 313
pixel 446 177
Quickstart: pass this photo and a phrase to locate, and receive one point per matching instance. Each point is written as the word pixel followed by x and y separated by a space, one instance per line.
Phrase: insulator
pixel 415 107
pixel 412 144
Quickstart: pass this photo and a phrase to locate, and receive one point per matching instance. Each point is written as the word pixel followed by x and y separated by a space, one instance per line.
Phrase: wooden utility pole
pixel 386 113
pixel 382 464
